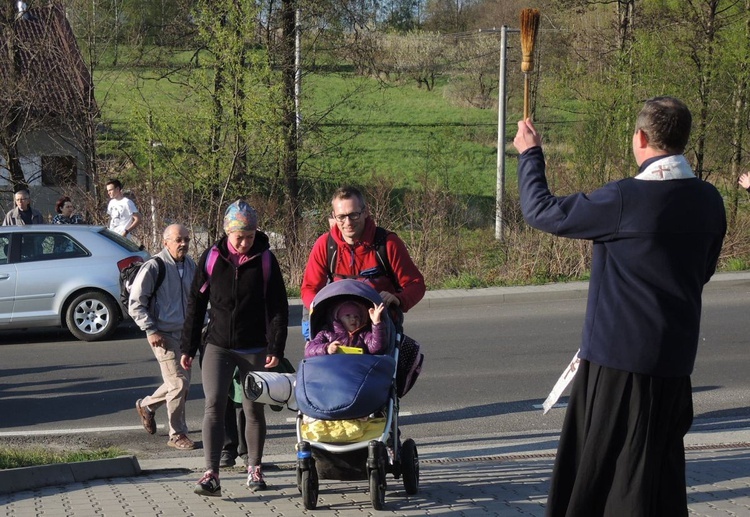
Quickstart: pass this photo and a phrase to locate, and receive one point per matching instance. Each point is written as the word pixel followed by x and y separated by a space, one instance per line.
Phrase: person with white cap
pixel 247 329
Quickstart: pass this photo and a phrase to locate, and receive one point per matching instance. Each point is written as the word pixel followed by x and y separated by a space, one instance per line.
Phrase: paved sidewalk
pixel 502 476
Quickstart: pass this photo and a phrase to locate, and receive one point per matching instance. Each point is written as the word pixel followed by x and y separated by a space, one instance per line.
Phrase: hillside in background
pixel 203 102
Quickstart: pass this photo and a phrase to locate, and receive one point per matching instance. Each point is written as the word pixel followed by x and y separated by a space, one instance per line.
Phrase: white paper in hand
pixel 562 383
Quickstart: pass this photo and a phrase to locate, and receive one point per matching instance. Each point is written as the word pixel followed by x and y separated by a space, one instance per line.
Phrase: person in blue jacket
pixel 656 242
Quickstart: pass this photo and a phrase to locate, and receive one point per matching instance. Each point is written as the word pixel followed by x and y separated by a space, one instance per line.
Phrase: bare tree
pixel 45 85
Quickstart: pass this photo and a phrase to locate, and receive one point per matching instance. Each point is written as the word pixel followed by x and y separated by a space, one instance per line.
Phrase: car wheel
pixel 92 316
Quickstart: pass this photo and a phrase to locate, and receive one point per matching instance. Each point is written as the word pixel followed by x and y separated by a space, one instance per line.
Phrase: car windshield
pixel 119 239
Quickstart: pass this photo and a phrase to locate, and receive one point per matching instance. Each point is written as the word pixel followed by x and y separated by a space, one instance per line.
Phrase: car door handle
pixel 4 277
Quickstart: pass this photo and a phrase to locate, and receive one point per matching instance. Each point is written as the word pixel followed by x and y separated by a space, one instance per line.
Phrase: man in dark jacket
pixel 23 213
pixel 657 239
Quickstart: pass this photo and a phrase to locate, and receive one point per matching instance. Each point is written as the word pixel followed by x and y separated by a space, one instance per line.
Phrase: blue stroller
pixel 347 424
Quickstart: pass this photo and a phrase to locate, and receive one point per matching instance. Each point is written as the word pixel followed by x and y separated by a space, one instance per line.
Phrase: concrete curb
pixel 26 478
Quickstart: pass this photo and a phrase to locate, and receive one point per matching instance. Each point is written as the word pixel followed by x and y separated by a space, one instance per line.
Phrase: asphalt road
pixel 489 365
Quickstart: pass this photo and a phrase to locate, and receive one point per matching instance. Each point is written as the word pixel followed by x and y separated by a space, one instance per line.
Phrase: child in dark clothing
pixel 349 327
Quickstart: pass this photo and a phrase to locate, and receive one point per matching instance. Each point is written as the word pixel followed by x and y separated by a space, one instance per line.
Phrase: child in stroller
pixel 347 391
pixel 348 328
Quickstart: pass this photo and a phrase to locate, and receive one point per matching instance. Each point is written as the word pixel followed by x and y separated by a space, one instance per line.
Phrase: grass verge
pixel 15 458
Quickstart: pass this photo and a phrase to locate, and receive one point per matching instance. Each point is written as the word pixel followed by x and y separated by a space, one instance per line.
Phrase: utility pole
pixel 501 113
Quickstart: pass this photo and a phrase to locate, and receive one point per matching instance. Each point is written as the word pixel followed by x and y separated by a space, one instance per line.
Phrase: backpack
pixel 381 234
pixel 410 361
pixel 128 274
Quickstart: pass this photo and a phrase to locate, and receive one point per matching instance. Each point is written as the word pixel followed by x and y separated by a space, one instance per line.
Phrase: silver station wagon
pixel 63 276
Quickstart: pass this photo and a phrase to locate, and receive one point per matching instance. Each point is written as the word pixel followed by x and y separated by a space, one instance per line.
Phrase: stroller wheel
pixel 410 466
pixel 377 492
pixel 309 489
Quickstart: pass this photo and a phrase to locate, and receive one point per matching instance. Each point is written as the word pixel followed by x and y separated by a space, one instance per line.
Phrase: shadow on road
pixel 126 330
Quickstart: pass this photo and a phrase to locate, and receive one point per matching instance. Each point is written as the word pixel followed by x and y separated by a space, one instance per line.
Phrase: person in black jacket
pixel 656 242
pixel 247 329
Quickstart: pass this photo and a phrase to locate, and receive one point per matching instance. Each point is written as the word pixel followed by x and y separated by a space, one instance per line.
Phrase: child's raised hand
pixel 333 347
pixel 375 313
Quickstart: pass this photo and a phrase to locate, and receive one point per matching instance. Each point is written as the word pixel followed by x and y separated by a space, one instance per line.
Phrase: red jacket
pixel 351 260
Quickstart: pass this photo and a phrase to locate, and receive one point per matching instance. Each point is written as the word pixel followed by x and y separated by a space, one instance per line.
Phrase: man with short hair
pixel 656 242
pixel 123 214
pixel 23 213
pixel 159 309
pixel 353 232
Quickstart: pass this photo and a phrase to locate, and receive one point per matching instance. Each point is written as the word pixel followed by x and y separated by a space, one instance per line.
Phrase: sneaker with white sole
pixel 255 478
pixel 208 485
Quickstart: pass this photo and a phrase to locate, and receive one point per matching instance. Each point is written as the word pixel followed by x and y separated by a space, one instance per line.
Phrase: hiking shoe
pixel 208 485
pixel 227 460
pixel 148 418
pixel 255 478
pixel 181 442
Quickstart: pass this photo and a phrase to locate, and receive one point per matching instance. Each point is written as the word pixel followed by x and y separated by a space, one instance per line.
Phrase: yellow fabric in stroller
pixel 342 431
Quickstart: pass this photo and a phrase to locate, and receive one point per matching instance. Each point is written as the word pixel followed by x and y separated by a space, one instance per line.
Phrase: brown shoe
pixel 181 442
pixel 148 419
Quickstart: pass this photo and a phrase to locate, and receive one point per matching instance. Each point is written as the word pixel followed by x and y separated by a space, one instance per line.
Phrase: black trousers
pixel 621 450
pixel 217 370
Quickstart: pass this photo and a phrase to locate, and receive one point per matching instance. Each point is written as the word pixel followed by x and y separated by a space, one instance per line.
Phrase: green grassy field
pixel 406 132
pixel 370 128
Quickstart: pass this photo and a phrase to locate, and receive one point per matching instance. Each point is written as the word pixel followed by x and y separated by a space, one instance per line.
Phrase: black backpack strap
pixel 381 235
pixel 331 256
pixel 161 272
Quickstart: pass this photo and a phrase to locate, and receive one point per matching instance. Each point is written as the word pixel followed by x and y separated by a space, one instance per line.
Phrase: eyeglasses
pixel 354 216
pixel 180 240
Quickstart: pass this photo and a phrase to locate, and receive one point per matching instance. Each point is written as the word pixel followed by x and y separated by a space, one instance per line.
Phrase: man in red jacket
pixel 356 257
